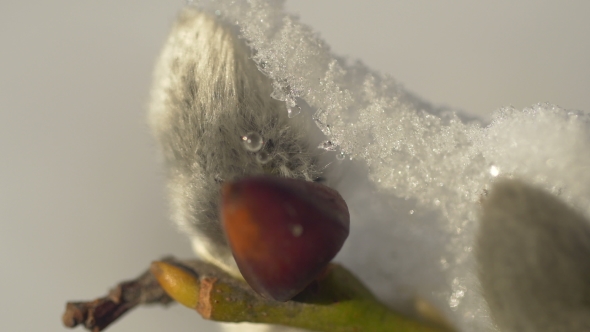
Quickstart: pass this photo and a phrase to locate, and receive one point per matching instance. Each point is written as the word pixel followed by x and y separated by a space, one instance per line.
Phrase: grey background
pixel 81 195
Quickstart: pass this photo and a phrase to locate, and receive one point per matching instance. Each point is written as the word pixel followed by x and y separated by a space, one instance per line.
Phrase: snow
pixel 412 174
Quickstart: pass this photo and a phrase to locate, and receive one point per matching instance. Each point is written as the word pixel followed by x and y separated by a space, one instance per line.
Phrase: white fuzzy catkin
pixel 208 96
pixel 534 267
pixel 412 175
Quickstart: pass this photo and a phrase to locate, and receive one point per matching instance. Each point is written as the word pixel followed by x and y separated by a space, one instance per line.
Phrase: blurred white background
pixel 82 204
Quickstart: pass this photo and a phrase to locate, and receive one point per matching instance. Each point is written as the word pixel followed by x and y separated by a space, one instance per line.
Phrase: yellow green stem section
pixel 181 284
pixel 336 302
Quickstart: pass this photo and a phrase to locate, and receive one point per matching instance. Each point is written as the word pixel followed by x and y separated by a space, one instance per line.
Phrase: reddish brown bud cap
pixel 282 232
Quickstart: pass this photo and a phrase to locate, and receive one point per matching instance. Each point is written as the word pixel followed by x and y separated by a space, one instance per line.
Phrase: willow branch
pixel 96 315
pixel 337 301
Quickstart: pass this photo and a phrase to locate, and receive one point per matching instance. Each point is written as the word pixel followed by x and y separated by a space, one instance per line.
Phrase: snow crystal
pixel 413 174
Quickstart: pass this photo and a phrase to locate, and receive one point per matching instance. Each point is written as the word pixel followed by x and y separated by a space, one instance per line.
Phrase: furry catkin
pixel 534 259
pixel 207 95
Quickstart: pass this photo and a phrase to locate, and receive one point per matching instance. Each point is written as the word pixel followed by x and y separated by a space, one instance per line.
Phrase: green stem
pixel 337 302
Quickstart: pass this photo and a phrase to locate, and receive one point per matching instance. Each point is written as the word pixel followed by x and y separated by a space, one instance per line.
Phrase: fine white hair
pixel 207 96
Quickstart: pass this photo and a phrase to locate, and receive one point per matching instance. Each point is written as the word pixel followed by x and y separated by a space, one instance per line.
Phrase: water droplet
pixel 340 156
pixel 494 170
pixel 293 111
pixel 296 230
pixel 262 157
pixel 328 146
pixel 252 141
